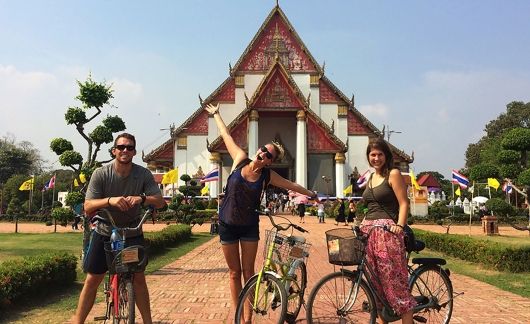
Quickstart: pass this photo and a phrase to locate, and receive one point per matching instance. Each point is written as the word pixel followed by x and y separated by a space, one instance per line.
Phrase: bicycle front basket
pixel 130 259
pixel 285 248
pixel 344 248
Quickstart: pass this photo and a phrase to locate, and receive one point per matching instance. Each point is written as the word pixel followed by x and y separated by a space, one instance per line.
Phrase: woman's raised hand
pixel 211 109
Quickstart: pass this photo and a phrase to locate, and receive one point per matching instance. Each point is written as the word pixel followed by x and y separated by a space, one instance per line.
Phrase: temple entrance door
pixel 282 171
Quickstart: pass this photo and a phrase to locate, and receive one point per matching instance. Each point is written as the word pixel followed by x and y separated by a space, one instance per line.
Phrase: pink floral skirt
pixel 386 256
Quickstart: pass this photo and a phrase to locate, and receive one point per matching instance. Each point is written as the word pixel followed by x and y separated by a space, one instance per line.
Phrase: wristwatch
pixel 143 198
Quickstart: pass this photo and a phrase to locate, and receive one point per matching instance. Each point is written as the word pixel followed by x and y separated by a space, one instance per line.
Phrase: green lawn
pixel 30 244
pixel 59 306
pixel 517 283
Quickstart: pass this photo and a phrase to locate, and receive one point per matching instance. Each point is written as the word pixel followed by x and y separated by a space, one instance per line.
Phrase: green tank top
pixel 381 201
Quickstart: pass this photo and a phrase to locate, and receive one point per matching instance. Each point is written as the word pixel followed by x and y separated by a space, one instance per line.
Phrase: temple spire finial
pixel 276 39
pixel 277 3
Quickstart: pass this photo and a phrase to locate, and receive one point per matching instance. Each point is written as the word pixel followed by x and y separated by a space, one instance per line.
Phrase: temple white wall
pixel 356 155
pixel 302 81
pixel 328 112
pixel 252 82
pixel 315 101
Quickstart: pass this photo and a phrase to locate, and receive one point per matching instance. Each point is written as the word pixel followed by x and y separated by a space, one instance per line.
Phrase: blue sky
pixel 436 71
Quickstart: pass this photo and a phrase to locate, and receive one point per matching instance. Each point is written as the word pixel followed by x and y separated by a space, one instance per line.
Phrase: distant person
pixel 301 212
pixel 341 216
pixel 320 212
pixel 75 224
pixel 351 212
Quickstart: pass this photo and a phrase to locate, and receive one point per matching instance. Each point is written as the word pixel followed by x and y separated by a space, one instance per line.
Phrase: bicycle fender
pixel 352 273
pixel 269 272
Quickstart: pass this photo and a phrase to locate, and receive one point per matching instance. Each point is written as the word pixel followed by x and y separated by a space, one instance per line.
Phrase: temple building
pixel 276 91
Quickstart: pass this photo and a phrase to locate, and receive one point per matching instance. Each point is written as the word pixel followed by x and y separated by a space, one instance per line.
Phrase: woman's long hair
pixel 380 144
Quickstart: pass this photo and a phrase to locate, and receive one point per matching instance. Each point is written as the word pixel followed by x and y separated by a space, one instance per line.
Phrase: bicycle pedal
pixel 100 318
pixel 420 319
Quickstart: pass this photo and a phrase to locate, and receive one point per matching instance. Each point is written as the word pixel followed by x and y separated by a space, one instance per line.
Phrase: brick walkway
pixel 194 288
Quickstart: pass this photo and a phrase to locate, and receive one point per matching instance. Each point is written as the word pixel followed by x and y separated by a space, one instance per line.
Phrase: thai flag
pixel 363 180
pixel 459 179
pixel 211 176
pixel 50 184
pixel 507 187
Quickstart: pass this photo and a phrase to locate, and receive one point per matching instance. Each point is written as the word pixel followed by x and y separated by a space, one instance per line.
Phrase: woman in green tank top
pixel 386 197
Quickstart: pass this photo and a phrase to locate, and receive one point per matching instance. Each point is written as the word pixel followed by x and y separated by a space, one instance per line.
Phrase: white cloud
pixel 378 110
pixel 34 102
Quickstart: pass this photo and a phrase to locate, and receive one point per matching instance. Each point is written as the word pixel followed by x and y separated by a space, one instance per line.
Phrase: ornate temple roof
pixel 275 50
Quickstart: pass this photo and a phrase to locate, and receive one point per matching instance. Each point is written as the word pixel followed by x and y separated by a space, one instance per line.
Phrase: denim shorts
pixel 229 234
pixel 95 259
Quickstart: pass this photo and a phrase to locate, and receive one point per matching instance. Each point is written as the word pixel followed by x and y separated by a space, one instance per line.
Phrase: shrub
pixel 62 215
pixel 19 278
pixel 168 237
pixel 501 257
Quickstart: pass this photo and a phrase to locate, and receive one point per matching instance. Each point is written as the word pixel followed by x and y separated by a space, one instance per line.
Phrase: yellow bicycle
pixel 276 293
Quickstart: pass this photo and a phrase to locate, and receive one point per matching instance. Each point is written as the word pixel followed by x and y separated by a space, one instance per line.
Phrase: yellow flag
pixel 27 185
pixel 494 183
pixel 82 177
pixel 170 176
pixel 457 192
pixel 205 190
pixel 413 180
pixel 348 190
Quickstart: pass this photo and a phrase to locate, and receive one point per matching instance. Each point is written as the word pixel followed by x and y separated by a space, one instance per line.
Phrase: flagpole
pixel 454 202
pixel 472 207
pixel 53 192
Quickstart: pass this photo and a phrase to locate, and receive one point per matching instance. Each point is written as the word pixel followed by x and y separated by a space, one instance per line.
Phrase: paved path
pixel 194 288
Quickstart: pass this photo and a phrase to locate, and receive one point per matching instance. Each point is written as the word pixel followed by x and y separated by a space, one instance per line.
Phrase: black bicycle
pixel 348 296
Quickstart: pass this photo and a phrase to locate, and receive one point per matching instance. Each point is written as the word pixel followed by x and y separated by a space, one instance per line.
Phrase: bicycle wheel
pixel 295 295
pixel 125 301
pixel 432 282
pixel 333 300
pixel 270 304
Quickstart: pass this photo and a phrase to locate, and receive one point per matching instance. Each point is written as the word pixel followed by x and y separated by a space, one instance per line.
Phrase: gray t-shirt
pixel 106 182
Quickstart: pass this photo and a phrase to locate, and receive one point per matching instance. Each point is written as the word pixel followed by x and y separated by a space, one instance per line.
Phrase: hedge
pixel 24 277
pixel 19 278
pixel 168 237
pixel 501 257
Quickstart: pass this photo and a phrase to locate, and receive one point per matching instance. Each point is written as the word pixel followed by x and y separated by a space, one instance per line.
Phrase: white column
pixel 301 149
pixel 215 186
pixel 339 174
pixel 253 132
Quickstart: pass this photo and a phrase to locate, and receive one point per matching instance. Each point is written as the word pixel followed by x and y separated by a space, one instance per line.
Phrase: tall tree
pixel 18 158
pixel 94 96
pixel 503 152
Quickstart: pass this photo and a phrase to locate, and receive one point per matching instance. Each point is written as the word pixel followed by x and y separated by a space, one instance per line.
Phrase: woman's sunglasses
pixel 267 153
pixel 123 147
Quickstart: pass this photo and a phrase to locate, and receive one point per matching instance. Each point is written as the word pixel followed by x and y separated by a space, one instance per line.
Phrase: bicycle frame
pixel 364 270
pixel 270 267
pixel 111 287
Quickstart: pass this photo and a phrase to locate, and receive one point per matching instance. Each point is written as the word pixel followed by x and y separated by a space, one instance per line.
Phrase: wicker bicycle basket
pixel 127 260
pixel 344 248
pixel 286 248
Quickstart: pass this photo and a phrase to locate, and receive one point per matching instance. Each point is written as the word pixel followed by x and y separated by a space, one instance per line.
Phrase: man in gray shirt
pixel 121 187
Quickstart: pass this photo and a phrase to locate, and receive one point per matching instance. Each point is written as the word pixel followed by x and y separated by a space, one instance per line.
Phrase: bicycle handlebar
pixel 149 210
pixel 279 227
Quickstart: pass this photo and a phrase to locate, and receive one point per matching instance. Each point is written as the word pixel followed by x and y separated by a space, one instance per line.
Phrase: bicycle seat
pixel 437 261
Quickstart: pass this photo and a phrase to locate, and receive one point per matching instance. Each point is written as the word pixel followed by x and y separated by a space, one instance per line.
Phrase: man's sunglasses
pixel 123 147
pixel 267 153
